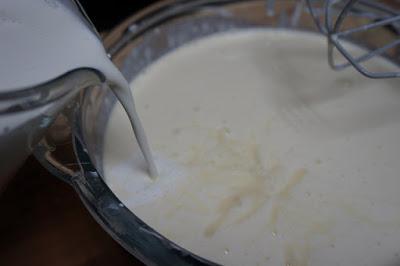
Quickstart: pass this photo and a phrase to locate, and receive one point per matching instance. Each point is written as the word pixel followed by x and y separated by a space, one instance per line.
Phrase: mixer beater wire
pixel 330 16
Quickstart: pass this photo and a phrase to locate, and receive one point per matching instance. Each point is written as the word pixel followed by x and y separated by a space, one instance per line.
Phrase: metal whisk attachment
pixel 331 17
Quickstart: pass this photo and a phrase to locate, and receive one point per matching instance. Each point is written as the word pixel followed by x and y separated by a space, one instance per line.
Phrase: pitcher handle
pixel 54 151
pixel 45 155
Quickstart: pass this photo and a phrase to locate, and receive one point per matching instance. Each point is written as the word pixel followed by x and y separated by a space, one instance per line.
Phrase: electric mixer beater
pixel 330 18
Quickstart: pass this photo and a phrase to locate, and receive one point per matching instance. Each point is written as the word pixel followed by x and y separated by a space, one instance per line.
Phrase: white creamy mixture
pixel 44 39
pixel 266 156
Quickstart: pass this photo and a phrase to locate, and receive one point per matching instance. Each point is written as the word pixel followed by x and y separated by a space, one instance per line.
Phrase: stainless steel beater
pixel 330 17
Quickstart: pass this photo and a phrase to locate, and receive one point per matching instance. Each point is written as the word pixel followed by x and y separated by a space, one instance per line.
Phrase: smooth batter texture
pixel 266 155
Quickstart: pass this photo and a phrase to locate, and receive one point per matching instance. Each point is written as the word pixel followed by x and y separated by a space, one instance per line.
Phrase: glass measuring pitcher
pixel 27 111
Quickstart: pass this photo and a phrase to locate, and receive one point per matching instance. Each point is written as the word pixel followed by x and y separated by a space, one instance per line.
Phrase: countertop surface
pixel 43 222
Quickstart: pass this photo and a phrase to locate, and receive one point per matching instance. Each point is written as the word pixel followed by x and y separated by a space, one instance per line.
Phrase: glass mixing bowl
pixel 134 45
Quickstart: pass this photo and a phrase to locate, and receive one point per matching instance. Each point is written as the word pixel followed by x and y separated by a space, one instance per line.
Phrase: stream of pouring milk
pixel 266 156
pixel 41 40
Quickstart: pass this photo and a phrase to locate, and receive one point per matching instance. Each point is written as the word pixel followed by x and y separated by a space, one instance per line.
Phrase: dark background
pixel 42 220
pixel 107 14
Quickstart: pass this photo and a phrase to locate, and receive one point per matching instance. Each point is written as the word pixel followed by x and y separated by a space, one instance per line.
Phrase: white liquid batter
pixel 44 39
pixel 266 156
